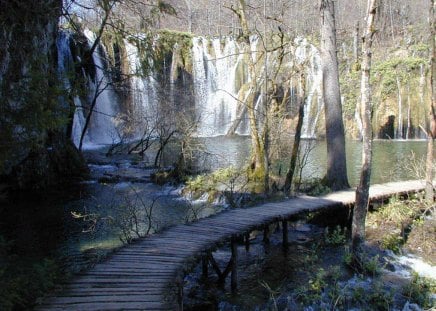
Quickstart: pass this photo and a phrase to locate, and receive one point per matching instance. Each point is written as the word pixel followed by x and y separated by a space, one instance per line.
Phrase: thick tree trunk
pixel 362 192
pixel 336 177
pixel 297 137
pixel 259 135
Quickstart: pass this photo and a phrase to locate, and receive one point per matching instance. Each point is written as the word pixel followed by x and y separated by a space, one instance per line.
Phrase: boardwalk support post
pixel 205 266
pixel 234 264
pixel 266 234
pixel 165 253
pixel 247 242
pixel 180 295
pixel 285 233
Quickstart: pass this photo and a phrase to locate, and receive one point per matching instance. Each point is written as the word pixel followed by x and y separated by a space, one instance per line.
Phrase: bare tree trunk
pixel 259 169
pixel 362 191
pixel 356 46
pixel 241 111
pixel 409 121
pixel 431 135
pixel 297 137
pixel 266 104
pixel 98 91
pixel 400 111
pixel 422 84
pixel 336 177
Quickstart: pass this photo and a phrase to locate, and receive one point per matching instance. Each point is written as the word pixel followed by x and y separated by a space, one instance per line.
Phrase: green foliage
pixel 163 7
pixel 227 179
pixel 316 187
pixel 350 86
pixel 392 242
pixel 371 265
pixel 363 263
pixel 157 49
pixel 379 298
pixel 29 110
pixel 397 212
pixel 22 280
pixel 336 237
pixel 311 257
pixel 386 72
pixel 325 291
pixel 348 256
pixel 312 292
pixel 421 49
pixel 200 183
pixel 419 290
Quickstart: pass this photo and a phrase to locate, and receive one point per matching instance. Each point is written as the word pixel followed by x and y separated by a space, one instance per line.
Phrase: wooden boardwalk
pixel 148 274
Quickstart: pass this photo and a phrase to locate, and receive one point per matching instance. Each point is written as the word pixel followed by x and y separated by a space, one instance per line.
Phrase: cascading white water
pixel 66 66
pixel 102 128
pixel 65 69
pixel 214 76
pixel 144 94
pixel 218 73
pixel 309 54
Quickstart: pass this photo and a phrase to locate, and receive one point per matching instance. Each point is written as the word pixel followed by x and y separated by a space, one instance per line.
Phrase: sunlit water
pixel 393 160
pixel 99 208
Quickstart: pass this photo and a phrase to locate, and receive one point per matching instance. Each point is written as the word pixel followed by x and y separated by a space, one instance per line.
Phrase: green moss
pixel 420 291
pixel 387 72
pixel 156 50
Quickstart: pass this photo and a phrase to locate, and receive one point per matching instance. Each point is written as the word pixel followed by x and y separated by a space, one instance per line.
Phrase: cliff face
pixel 34 149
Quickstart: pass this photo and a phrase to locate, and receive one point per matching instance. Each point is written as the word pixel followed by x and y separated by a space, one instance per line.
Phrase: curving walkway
pixel 148 274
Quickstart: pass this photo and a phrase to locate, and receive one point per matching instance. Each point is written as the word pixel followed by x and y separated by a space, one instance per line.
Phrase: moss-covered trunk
pixel 35 151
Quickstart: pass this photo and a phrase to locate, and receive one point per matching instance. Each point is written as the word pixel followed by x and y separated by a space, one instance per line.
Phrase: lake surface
pixel 393 160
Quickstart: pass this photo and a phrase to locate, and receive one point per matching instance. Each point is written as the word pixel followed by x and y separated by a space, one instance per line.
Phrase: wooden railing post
pixel 205 266
pixel 180 295
pixel 266 234
pixel 285 233
pixel 234 266
pixel 247 242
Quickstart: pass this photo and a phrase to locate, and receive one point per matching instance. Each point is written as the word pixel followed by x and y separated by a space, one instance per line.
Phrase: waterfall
pixel 65 69
pixel 214 71
pixel 218 73
pixel 144 93
pixel 103 125
pixel 308 53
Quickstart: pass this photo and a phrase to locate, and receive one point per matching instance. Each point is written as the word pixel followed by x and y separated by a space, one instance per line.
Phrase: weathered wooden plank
pixel 108 306
pixel 88 287
pixel 71 292
pixel 140 275
pixel 113 298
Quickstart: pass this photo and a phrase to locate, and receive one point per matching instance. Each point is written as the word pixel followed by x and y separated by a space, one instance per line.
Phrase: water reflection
pixel 108 201
pixel 392 160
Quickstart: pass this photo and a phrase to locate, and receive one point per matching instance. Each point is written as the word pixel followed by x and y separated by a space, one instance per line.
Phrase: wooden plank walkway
pixel 147 274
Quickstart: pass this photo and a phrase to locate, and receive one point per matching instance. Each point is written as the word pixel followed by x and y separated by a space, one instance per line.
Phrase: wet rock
pixel 411 307
pixel 303 228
